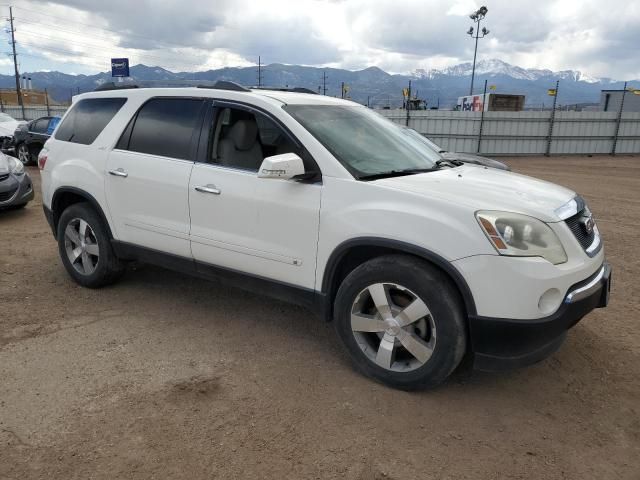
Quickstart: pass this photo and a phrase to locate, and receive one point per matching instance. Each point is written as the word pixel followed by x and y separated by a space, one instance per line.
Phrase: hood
pixel 487 189
pixel 476 159
pixel 7 129
pixel 4 164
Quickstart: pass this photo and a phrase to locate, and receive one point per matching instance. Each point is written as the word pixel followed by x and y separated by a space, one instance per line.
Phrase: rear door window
pixel 165 127
pixel 40 125
pixel 87 119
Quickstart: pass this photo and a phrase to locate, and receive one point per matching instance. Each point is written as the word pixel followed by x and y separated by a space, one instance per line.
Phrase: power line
pixel 93 27
pixel 29 44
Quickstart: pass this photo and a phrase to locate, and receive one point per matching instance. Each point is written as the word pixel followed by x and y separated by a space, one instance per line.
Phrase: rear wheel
pixel 401 321
pixel 85 248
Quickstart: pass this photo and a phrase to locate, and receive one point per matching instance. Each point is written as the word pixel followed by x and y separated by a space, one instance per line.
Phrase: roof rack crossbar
pixel 226 85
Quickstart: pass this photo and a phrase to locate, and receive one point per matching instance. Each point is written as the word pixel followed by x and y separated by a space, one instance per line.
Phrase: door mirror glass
pixel 285 166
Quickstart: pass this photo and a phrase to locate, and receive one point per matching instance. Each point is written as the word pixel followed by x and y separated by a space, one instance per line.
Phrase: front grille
pixel 4 196
pixel 577 226
pixel 4 176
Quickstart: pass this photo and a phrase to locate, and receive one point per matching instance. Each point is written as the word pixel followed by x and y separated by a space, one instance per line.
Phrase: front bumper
pixel 16 190
pixel 502 344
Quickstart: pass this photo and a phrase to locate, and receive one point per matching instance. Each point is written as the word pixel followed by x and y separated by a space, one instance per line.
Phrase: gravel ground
pixel 166 376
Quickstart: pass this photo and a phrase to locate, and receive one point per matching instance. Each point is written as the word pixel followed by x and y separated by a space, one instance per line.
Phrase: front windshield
pixel 366 143
pixel 424 139
pixel 5 118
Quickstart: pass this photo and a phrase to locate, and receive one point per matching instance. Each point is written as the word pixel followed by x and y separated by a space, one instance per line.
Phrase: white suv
pixel 417 261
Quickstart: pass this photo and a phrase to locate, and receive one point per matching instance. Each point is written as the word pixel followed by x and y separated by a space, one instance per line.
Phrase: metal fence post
pixel 46 97
pixel 1 105
pixel 408 103
pixel 484 99
pixel 618 120
pixel 552 118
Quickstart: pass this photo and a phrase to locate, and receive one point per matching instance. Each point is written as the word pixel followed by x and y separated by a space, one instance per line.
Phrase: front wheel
pixel 401 321
pixel 85 248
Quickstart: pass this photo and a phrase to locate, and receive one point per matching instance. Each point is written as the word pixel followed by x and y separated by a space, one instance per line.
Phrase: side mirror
pixel 285 166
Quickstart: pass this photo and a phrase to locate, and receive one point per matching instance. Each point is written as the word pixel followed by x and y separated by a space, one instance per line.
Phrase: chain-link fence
pixel 32 112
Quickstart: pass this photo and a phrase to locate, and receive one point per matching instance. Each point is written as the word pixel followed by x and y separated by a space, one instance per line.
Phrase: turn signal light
pixel 42 160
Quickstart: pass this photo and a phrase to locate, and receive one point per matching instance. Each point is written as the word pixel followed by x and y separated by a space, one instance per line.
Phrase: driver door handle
pixel 209 188
pixel 119 173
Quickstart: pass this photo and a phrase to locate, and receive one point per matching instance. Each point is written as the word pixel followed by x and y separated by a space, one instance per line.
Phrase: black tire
pixel 108 268
pixel 441 297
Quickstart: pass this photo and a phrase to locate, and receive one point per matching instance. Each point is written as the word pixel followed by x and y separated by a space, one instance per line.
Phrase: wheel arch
pixel 352 253
pixel 67 196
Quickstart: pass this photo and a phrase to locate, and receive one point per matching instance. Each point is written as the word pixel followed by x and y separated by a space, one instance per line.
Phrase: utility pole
pixel 324 82
pixel 342 89
pixel 259 72
pixel 15 63
pixel 477 17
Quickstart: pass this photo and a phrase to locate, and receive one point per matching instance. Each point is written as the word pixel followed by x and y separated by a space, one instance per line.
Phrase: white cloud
pixel 396 35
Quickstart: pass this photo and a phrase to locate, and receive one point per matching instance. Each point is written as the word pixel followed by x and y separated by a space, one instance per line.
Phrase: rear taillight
pixel 42 161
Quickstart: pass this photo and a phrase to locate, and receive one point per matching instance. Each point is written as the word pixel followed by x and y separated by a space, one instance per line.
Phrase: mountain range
pixel 379 88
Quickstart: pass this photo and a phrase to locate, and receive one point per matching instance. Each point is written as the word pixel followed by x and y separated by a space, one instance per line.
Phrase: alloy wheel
pixel 393 327
pixel 23 154
pixel 81 246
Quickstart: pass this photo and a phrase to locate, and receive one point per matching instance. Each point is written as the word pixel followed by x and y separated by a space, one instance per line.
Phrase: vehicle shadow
pixel 218 306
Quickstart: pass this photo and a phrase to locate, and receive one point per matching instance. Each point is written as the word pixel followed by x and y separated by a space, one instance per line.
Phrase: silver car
pixel 16 189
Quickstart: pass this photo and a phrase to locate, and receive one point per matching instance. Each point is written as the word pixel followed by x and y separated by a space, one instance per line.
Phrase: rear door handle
pixel 119 173
pixel 209 188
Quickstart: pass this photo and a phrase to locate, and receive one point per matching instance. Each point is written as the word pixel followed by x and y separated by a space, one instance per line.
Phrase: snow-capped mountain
pixel 371 85
pixel 495 67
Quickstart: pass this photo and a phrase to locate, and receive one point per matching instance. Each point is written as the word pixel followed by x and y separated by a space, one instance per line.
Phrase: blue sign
pixel 119 67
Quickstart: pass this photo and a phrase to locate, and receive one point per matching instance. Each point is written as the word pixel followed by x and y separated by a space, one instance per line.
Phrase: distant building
pixel 29 97
pixel 610 101
pixel 494 102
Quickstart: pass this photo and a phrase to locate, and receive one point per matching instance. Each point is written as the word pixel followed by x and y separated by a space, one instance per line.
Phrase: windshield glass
pixel 5 118
pixel 366 143
pixel 426 140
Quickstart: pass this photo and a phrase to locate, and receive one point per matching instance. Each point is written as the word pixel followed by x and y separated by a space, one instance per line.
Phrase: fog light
pixel 550 301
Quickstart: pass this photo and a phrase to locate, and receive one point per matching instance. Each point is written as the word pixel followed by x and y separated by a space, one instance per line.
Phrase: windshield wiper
pixel 455 163
pixel 397 173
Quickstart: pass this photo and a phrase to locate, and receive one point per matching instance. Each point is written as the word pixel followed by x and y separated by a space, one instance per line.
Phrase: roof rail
pixel 226 85
pixel 219 85
pixel 112 86
pixel 287 89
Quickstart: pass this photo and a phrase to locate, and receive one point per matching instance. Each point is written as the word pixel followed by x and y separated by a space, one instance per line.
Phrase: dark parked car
pixel 16 189
pixel 29 138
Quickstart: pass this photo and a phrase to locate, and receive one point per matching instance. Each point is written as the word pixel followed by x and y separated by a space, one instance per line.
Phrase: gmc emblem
pixel 587 224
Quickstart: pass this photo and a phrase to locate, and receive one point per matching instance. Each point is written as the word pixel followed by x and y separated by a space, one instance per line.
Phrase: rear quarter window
pixel 87 119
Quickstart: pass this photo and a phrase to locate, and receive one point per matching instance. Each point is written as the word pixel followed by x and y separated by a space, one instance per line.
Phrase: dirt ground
pixel 166 376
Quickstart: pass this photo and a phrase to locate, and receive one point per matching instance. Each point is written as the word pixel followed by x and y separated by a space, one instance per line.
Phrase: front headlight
pixel 15 166
pixel 519 235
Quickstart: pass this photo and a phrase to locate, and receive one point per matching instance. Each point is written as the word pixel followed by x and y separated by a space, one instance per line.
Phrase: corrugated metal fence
pixel 525 133
pixel 494 133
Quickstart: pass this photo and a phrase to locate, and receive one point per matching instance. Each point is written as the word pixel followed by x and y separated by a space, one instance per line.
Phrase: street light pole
pixel 477 17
